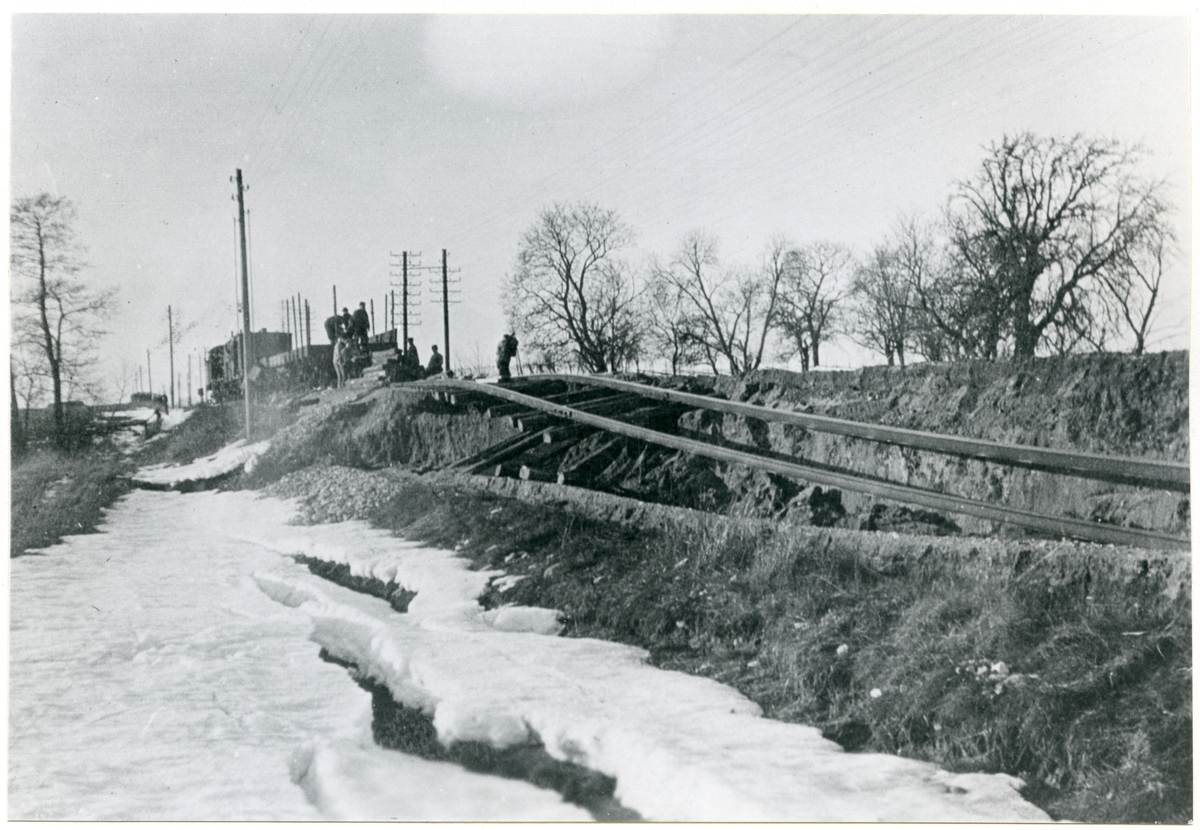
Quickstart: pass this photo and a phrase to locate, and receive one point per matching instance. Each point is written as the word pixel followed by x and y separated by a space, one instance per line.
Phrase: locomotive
pixel 277 366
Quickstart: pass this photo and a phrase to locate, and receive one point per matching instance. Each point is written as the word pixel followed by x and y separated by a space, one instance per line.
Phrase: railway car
pixel 225 362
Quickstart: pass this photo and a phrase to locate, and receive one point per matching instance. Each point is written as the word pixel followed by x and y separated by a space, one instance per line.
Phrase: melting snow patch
pixel 524 618
pixel 356 781
pixel 681 748
pixel 223 461
pixel 503 583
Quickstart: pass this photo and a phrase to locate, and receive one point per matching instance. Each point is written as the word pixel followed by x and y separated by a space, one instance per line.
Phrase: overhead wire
pixel 709 87
pixel 287 102
pixel 320 86
pixel 825 115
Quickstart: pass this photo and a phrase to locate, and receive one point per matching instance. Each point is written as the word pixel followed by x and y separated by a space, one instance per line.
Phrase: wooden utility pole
pixel 446 311
pixel 307 325
pixel 335 299
pixel 246 363
pixel 189 381
pixel 372 315
pixel 149 379
pixel 171 353
pixel 404 297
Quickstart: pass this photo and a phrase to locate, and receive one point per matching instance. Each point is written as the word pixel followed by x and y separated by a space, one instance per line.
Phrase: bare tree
pixel 670 330
pixel 570 295
pixel 817 279
pixel 1046 222
pixel 1134 285
pixel 29 378
pixel 17 425
pixel 958 304
pixel 57 316
pixel 718 312
pixel 881 314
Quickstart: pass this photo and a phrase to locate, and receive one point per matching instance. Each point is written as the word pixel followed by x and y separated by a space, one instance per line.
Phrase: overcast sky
pixel 360 136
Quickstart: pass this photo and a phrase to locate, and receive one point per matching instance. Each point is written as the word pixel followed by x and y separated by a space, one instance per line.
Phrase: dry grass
pixel 56 493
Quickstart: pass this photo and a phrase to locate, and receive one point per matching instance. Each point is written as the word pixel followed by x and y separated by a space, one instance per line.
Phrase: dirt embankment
pixel 1106 404
pixel 1109 404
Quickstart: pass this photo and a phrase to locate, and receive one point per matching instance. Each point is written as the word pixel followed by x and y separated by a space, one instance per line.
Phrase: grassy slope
pixel 1094 713
pixel 55 494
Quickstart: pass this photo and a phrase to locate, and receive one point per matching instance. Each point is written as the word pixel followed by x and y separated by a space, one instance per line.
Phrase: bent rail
pixel 1170 475
pixel 1074 528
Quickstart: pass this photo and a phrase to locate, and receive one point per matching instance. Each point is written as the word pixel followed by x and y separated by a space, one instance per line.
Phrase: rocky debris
pixel 328 493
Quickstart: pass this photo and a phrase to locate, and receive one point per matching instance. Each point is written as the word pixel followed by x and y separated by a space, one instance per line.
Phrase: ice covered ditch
pixel 224 461
pixel 163 669
pixel 151 679
pixel 681 748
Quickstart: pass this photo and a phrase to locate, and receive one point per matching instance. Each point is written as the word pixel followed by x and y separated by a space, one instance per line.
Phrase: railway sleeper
pixel 569 433
pixel 652 414
pixel 487 452
pixel 508 450
pixel 505 409
pixel 582 469
pixel 588 393
pixel 470 399
pixel 528 473
pixel 610 405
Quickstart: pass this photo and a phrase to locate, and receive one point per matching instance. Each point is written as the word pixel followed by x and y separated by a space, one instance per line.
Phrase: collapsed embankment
pixel 1114 405
pixel 1066 664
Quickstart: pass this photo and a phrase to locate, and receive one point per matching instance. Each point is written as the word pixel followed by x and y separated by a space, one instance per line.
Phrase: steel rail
pixel 1170 475
pixel 1073 528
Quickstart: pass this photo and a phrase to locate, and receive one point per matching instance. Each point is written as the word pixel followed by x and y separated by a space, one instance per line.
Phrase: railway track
pixel 553 411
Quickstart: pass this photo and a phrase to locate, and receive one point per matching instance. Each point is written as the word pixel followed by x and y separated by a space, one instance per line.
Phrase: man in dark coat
pixel 361 323
pixel 505 352
pixel 435 363
pixel 345 323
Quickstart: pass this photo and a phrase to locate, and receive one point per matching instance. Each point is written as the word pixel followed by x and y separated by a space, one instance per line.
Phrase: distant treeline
pixel 1053 247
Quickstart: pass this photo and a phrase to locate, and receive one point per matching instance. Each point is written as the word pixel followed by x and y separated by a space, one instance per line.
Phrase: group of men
pixel 407 365
pixel 355 327
pixel 349 332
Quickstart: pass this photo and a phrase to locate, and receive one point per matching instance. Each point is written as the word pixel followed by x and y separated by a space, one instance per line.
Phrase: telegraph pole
pixel 446 311
pixel 171 352
pixel 149 380
pixel 189 381
pixel 245 302
pixel 307 325
pixel 407 293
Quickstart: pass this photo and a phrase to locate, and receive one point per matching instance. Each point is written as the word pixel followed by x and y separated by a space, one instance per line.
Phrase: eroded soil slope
pixel 1109 404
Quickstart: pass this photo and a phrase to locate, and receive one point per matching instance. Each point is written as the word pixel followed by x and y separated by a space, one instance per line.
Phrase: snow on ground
pixel 225 460
pixel 681 748
pixel 160 670
pixel 151 679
